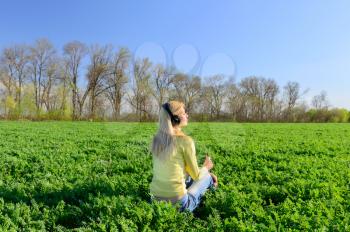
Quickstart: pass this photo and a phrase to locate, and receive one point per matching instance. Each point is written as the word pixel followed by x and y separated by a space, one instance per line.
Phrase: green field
pixel 60 176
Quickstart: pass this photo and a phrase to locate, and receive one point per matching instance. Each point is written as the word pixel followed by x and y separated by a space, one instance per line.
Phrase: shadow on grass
pixel 78 201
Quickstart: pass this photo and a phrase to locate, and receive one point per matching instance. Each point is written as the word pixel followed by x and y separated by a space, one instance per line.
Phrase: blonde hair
pixel 164 141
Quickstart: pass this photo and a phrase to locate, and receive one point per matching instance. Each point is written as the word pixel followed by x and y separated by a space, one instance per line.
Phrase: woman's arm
pixel 208 163
pixel 191 165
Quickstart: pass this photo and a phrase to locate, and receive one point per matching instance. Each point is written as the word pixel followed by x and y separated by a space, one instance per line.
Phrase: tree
pixel 161 83
pixel 236 102
pixel 117 79
pixel 251 91
pixel 63 89
pixel 270 90
pixel 40 57
pixel 16 57
pixel 339 115
pixel 213 93
pixel 7 80
pixel 291 96
pixel 187 89
pixel 260 94
pixel 74 52
pixel 139 98
pixel 97 72
pixel 320 101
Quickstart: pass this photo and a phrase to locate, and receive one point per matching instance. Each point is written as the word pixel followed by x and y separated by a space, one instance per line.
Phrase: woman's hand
pixel 208 163
pixel 215 180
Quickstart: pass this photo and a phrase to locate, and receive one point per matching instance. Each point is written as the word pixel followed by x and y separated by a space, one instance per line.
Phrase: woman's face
pixel 183 117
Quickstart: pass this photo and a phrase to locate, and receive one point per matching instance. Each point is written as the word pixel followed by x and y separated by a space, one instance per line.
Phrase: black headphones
pixel 175 120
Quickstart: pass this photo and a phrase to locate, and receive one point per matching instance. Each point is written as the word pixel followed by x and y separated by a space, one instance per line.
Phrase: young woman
pixel 174 160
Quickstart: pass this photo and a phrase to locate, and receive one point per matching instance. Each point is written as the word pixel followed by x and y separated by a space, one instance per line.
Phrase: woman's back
pixel 169 174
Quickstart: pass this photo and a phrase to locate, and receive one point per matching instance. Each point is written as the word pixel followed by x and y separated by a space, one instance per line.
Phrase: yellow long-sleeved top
pixel 169 176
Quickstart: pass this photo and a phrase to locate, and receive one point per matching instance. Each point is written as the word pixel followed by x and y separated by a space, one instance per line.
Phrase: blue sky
pixel 303 41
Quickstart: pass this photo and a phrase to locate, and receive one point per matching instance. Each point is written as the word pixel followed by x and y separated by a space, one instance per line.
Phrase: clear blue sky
pixel 304 41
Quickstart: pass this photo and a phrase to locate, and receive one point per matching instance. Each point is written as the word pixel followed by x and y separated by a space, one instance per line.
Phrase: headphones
pixel 175 120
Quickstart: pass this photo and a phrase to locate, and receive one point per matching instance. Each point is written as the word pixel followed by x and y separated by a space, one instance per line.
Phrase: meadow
pixel 95 176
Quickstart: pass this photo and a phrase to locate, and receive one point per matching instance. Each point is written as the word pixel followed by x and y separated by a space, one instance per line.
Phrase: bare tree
pixel 117 79
pixel 205 103
pixel 270 90
pixel 97 71
pixel 74 52
pixel 6 79
pixel 17 58
pixel 292 94
pixel 320 101
pixel 251 90
pixel 187 89
pixel 40 56
pixel 261 95
pixel 161 83
pixel 236 102
pixel 216 85
pixel 64 81
pixel 50 82
pixel 141 90
pixel 7 74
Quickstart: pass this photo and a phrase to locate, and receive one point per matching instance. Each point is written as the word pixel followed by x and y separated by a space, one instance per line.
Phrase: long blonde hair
pixel 164 141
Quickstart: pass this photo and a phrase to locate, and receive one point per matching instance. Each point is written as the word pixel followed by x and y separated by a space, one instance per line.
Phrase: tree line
pixel 99 82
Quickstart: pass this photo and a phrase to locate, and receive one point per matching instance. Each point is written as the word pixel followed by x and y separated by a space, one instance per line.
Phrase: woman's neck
pixel 178 131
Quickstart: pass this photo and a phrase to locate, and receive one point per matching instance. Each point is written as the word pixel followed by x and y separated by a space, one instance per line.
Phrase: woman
pixel 174 160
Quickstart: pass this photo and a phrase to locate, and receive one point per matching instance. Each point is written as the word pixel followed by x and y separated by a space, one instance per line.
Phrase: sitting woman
pixel 174 160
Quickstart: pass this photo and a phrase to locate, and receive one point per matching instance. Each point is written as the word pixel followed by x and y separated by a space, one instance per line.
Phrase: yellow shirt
pixel 169 176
